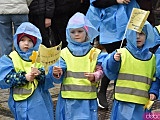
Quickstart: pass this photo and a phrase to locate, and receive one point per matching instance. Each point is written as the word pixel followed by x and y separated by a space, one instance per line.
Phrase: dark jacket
pixel 106 3
pixel 70 7
pixel 45 7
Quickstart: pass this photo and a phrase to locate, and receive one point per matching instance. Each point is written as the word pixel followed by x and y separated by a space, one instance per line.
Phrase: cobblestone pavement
pixel 5 113
pixel 103 114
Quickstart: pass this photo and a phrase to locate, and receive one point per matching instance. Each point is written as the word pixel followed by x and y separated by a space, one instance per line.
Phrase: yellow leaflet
pixel 33 57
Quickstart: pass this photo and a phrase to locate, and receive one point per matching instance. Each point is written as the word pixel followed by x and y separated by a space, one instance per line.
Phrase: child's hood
pixel 30 29
pixel 78 20
pixel 149 42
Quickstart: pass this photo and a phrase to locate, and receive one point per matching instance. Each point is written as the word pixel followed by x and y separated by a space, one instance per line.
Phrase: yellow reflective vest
pixel 23 92
pixel 75 85
pixel 135 78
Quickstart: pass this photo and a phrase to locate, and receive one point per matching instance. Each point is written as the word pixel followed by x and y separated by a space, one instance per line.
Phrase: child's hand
pixel 152 97
pixel 90 76
pixel 57 72
pixel 30 77
pixel 117 56
pixel 35 71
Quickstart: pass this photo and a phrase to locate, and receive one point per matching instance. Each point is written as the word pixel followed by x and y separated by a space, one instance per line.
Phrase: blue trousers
pixel 7 23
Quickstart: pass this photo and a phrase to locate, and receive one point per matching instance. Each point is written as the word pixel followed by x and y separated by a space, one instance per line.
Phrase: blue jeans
pixel 7 23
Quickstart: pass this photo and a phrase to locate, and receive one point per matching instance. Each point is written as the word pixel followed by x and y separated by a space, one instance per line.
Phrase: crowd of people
pixel 92 33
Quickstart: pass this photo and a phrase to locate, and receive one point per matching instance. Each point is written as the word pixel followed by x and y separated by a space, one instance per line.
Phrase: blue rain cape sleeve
pixel 6 66
pixel 157 52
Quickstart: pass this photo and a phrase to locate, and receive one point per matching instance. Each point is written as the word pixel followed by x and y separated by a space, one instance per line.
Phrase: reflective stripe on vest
pixel 137 78
pixel 75 85
pixel 134 79
pixel 72 87
pixel 23 92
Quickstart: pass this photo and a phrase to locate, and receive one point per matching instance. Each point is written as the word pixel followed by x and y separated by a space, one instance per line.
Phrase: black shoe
pixel 102 101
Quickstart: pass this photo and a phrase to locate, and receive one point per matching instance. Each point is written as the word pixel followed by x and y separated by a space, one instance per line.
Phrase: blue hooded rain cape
pixel 39 105
pixel 73 109
pixel 111 68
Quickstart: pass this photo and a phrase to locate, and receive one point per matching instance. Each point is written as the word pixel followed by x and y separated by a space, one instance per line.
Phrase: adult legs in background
pixel 39 21
pixel 63 12
pixel 102 99
pixel 6 31
pixel 59 24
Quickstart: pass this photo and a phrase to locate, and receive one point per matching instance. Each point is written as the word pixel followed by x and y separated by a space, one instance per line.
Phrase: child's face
pixel 25 44
pixel 78 34
pixel 141 37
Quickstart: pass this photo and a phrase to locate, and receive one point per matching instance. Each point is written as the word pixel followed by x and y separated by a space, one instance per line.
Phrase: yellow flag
pixel 149 104
pixel 137 19
pixel 48 56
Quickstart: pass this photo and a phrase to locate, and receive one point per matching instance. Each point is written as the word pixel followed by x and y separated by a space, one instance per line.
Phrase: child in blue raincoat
pixel 79 69
pixel 133 68
pixel 29 96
